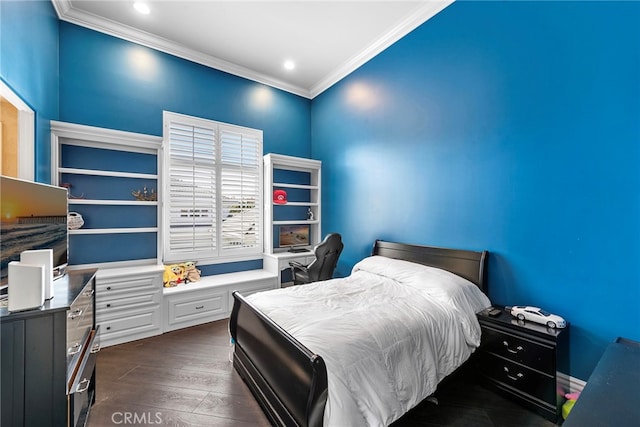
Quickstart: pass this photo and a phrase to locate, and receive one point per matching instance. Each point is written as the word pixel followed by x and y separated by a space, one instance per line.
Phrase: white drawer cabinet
pixel 194 308
pixel 129 303
pixel 211 298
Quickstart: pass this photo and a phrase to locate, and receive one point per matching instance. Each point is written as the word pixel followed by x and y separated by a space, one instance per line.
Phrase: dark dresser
pixel 47 373
pixel 522 359
pixel 612 394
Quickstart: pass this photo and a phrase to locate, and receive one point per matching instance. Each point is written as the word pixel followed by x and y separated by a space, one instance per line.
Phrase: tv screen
pixel 293 235
pixel 33 216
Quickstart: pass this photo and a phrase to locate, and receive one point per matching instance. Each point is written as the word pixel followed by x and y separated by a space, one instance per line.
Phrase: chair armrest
pixel 296 264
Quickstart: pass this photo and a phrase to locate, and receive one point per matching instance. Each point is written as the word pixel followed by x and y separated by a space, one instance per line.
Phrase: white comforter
pixel 388 334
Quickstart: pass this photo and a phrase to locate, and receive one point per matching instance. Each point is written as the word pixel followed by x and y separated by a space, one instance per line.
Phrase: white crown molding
pixel 421 15
pixel 66 12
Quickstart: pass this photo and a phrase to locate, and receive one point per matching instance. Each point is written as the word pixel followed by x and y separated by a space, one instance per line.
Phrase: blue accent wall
pixel 29 66
pixel 507 126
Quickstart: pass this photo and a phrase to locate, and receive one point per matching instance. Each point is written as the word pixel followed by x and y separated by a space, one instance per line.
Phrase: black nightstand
pixel 523 359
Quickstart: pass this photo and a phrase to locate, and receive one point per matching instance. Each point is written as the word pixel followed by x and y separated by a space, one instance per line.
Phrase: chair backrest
pixel 327 253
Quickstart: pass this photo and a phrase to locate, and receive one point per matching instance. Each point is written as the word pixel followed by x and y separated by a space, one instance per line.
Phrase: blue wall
pixel 109 82
pixel 29 66
pixel 507 126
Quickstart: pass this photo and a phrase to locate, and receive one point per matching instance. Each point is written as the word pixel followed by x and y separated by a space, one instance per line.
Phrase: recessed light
pixel 289 65
pixel 142 8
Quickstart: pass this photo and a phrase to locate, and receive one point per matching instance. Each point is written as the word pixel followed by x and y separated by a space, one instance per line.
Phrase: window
pixel 212 190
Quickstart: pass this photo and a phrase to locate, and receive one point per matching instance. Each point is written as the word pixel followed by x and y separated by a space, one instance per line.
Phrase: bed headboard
pixel 468 264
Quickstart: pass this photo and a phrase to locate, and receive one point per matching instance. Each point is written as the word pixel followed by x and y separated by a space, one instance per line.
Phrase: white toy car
pixel 538 315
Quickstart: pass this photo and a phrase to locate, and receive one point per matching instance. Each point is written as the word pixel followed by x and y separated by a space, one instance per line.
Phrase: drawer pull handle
pixel 88 293
pixel 108 328
pixel 74 349
pixel 518 376
pixel 108 305
pixel 95 348
pixel 79 389
pixel 199 307
pixel 75 313
pixel 108 288
pixel 518 348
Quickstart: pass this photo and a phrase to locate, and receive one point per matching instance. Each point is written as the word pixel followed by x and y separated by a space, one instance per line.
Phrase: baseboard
pixel 571 383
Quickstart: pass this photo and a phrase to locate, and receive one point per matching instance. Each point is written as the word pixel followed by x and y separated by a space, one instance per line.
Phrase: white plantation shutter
pixel 212 202
pixel 241 160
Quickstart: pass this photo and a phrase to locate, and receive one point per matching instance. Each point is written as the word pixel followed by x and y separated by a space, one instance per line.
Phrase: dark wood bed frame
pixel 287 379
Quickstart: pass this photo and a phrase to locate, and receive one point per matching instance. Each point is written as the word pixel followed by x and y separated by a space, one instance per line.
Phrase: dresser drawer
pixel 82 389
pixel 530 353
pixel 540 386
pixel 79 324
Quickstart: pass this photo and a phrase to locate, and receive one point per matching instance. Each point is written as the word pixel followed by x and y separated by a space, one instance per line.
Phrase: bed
pixel 357 373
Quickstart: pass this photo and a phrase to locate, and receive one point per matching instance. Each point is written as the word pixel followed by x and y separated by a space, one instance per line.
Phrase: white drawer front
pixel 129 324
pixel 180 311
pixel 113 285
pixel 115 302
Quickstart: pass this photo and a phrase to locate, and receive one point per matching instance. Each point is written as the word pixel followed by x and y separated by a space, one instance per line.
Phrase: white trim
pixel 96 137
pixel 116 264
pixel 96 172
pixel 114 230
pixel 419 17
pixel 571 383
pixel 66 12
pixel 112 202
pixel 26 133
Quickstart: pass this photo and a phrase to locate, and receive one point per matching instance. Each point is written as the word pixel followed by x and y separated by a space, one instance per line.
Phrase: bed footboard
pixel 287 379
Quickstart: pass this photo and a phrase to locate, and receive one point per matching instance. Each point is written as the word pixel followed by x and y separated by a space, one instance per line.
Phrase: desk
pixel 277 262
pixel 610 397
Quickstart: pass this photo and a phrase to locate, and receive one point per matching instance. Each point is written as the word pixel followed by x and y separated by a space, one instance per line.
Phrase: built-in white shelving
pixel 102 175
pixel 305 178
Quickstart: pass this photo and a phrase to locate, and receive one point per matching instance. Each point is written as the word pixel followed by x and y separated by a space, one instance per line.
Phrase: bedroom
pixel 493 126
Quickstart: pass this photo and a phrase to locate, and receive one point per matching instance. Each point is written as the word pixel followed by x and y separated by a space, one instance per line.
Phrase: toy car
pixel 538 315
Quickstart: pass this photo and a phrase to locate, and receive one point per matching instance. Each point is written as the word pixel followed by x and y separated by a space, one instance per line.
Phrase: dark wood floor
pixel 184 378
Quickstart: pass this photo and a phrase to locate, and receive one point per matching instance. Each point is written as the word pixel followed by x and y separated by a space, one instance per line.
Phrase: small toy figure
pixel 310 215
pixel 174 274
pixel 191 273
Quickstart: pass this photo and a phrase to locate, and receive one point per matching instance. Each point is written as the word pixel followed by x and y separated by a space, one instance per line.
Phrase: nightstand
pixel 522 359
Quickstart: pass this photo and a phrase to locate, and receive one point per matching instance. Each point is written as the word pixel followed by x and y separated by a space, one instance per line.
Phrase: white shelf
pixel 112 202
pixel 301 186
pixel 296 222
pixel 114 230
pixel 299 204
pixel 107 173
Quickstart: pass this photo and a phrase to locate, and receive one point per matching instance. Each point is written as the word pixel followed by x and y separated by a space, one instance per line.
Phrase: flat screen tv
pixel 293 235
pixel 33 216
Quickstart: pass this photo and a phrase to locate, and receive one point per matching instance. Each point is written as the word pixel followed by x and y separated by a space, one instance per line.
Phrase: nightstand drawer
pixel 532 354
pixel 535 384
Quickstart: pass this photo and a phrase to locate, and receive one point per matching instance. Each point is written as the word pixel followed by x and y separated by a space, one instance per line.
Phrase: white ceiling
pixel 326 39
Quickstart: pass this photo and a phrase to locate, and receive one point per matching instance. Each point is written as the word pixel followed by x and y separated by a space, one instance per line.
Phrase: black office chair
pixel 327 253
